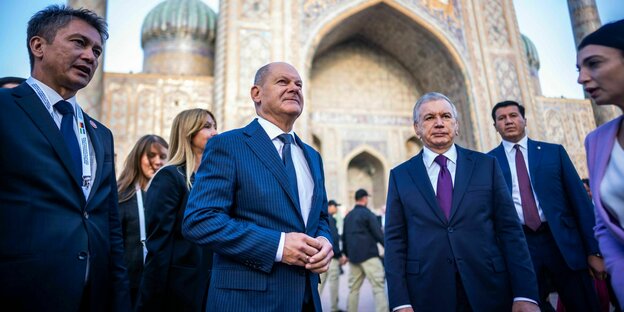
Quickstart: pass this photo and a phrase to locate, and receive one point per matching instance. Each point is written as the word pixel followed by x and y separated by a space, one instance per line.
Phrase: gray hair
pixel 430 97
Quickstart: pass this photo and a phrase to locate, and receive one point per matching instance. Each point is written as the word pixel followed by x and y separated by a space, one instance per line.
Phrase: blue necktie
pixel 67 131
pixel 444 190
pixel 287 139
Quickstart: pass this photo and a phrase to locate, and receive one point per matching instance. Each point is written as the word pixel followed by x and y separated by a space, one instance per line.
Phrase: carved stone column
pixel 585 20
pixel 90 98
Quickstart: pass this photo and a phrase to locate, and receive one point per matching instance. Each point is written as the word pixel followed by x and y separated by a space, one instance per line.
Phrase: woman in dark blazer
pixel 177 272
pixel 145 158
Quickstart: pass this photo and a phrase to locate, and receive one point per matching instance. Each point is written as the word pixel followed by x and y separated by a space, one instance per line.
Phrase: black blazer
pixel 133 249
pixel 177 272
pixel 361 234
pixel 335 237
pixel 49 231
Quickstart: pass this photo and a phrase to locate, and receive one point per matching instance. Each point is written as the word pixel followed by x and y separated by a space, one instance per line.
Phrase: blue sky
pixel 546 22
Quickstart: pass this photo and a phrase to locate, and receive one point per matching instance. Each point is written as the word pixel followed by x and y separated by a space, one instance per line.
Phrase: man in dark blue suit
pixel 259 202
pixel 60 238
pixel 453 241
pixel 556 213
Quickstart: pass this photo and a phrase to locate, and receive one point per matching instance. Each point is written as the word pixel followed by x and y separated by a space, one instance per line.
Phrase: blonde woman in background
pixel 146 157
pixel 177 272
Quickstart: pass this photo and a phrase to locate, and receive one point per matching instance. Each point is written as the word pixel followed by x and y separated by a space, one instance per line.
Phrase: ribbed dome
pixel 531 52
pixel 173 19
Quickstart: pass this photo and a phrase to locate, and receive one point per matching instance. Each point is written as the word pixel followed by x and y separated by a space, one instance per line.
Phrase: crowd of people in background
pixel 240 221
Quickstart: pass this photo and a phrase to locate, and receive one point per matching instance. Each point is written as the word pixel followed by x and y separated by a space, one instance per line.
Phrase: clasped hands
pixel 312 253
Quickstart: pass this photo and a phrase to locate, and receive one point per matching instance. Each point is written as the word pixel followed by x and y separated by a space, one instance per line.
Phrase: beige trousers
pixel 332 276
pixel 373 270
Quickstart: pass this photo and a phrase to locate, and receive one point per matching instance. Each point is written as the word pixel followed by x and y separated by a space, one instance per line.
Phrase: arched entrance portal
pixel 365 75
pixel 365 171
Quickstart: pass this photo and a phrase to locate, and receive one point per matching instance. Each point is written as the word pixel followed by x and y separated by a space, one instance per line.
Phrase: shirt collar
pixel 509 146
pixel 52 95
pixel 429 155
pixel 272 130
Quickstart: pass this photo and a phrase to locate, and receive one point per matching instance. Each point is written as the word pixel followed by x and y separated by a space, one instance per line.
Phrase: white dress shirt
pixel 433 169
pixel 53 97
pixel 612 184
pixel 305 183
pixel 510 152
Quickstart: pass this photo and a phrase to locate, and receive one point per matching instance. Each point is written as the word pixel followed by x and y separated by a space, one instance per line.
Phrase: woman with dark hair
pixel 600 60
pixel 177 271
pixel 145 158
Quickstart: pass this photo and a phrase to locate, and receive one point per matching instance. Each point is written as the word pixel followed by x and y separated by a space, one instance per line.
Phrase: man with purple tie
pixel 556 213
pixel 452 238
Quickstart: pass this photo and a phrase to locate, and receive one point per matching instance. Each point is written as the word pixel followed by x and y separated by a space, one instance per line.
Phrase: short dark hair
pixel 505 104
pixel 360 193
pixel 261 74
pixel 6 80
pixel 48 21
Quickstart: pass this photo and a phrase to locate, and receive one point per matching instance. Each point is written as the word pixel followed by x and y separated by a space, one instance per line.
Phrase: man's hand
pixel 319 263
pixel 410 309
pixel 298 248
pixel 343 260
pixel 524 306
pixel 597 267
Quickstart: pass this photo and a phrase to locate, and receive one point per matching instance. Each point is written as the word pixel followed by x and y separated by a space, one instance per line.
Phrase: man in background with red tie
pixel 554 209
pixel 453 241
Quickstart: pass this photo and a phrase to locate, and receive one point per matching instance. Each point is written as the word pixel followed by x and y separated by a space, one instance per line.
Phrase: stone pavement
pixel 366 303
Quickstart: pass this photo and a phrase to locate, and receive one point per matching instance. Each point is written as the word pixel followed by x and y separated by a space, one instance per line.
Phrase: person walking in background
pixel 362 232
pixel 555 211
pixel 145 158
pixel 61 247
pixel 259 202
pixel 177 272
pixel 600 61
pixel 332 276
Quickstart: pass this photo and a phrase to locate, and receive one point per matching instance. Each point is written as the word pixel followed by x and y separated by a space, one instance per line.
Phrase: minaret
pixel 90 98
pixel 585 20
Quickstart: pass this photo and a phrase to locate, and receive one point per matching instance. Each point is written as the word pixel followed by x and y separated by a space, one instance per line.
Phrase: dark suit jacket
pixel 361 234
pixel 177 272
pixel 482 241
pixel 240 203
pixel 48 230
pixel 133 248
pixel 562 198
pixel 335 237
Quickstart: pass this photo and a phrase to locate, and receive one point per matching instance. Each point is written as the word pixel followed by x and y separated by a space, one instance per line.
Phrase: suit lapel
pixel 28 100
pixel 501 155
pixel 261 145
pixel 604 142
pixel 535 157
pixel 418 173
pixel 465 165
pixel 96 143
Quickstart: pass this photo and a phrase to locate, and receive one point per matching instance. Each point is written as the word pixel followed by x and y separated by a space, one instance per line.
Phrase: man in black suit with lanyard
pixel 60 239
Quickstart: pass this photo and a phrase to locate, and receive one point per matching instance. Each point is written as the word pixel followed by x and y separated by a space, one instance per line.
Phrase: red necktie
pixel 529 207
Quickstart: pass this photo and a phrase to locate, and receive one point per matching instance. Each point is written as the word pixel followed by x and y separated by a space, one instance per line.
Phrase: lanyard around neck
pixel 83 141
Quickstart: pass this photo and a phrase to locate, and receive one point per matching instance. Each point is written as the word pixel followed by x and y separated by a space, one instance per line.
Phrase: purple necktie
pixel 529 207
pixel 444 192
